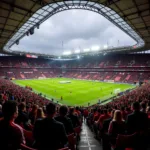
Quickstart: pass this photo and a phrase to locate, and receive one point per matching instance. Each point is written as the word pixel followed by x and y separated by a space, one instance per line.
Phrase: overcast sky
pixel 78 29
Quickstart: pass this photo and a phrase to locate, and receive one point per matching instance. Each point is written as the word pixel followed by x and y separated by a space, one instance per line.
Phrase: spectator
pixel 148 105
pixel 1 114
pixel 148 112
pixel 77 111
pixel 137 121
pixel 49 134
pixel 143 107
pixel 63 110
pixel 40 114
pixel 116 126
pixel 23 117
pixel 104 133
pixel 102 118
pixel 123 112
pixel 107 122
pixel 11 135
pixel 90 117
pixel 97 114
pixel 128 111
pixel 74 118
pixel 85 113
pixel 33 113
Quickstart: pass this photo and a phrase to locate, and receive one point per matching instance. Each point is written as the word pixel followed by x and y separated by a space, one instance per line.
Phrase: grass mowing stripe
pixel 78 92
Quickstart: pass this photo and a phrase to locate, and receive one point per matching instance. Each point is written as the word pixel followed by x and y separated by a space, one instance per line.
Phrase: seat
pixel 77 131
pixel 125 141
pixel 66 148
pixel 72 141
pixel 24 147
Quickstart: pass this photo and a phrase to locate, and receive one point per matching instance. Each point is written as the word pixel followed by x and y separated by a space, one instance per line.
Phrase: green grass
pixel 82 91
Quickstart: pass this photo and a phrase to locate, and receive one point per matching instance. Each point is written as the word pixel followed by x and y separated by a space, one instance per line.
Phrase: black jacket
pixel 22 118
pixel 49 134
pixel 67 123
pixel 75 120
pixel 137 121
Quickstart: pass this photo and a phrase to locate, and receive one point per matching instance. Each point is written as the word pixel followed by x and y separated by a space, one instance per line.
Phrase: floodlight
pixel 59 57
pixel 17 42
pixel 95 48
pixel 77 51
pixel 78 57
pixel 31 31
pixel 38 26
pixel 66 52
pixel 27 33
pixel 105 46
pixel 86 50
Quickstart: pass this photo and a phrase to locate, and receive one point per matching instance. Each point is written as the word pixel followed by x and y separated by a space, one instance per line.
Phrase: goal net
pixel 116 91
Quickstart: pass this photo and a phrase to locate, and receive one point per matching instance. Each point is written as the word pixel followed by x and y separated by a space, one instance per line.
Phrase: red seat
pixel 72 141
pixel 24 147
pixel 66 148
pixel 77 130
pixel 125 141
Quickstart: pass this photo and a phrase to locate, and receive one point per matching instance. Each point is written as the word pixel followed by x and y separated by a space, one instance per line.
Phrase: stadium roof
pixel 18 18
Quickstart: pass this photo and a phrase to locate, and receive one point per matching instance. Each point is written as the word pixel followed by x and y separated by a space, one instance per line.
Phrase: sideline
pixel 92 102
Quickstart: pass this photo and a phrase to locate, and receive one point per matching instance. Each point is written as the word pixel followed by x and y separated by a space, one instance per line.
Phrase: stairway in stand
pixel 87 140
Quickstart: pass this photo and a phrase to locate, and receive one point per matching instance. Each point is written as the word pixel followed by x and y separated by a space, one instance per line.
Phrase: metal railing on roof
pixel 49 10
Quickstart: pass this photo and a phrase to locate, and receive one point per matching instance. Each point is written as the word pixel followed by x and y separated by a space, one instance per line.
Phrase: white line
pixel 87 138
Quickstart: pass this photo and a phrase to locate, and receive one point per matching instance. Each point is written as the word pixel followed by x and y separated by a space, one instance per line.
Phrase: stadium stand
pixel 28 104
pixel 123 124
pixel 105 68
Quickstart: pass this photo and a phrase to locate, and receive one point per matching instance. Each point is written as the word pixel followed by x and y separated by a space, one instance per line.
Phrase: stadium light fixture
pixel 67 53
pixel 38 26
pixel 59 57
pixel 105 46
pixel 95 48
pixel 78 57
pixel 86 50
pixel 77 51
pixel 17 42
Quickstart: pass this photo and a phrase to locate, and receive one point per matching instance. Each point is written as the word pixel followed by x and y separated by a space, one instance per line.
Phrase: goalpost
pixel 116 91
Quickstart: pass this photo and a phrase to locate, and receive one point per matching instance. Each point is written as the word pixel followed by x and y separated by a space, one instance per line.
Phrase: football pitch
pixel 73 91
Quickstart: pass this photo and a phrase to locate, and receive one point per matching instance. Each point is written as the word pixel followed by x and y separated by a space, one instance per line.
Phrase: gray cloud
pixel 77 29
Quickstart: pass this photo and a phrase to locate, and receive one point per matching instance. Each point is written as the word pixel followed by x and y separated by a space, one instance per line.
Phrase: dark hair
pixel 128 109
pixel 143 105
pixel 112 113
pixel 136 106
pixel 71 110
pixel 50 109
pixel 122 108
pixel 105 111
pixel 99 110
pixel 8 109
pixel 22 106
pixel 77 108
pixel 63 110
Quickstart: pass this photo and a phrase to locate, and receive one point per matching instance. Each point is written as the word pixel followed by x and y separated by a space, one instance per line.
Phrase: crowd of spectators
pixel 22 110
pixel 127 115
pixel 26 110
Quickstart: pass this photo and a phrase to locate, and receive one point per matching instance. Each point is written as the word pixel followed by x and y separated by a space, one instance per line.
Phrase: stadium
pixel 93 96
